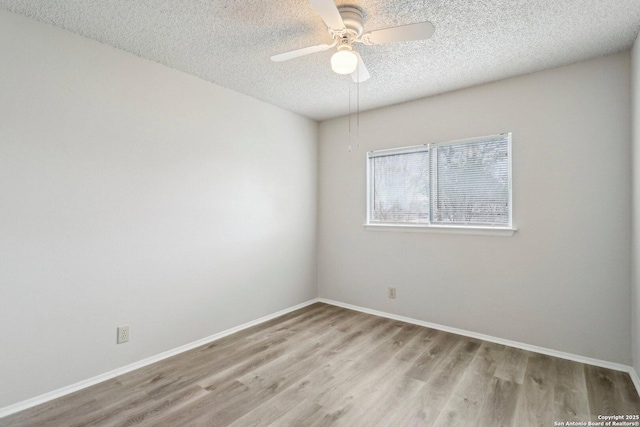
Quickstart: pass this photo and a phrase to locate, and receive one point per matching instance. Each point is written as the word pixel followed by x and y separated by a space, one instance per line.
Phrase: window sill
pixel 484 231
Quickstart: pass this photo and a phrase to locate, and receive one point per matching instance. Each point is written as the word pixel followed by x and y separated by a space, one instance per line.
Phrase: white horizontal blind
pixel 470 182
pixel 399 187
pixel 459 183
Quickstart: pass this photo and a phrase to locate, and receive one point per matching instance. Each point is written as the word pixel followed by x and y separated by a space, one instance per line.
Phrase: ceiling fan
pixel 346 27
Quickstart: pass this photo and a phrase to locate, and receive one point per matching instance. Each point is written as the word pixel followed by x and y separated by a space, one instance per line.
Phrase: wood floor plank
pixel 377 387
pixel 389 393
pixel 488 358
pixel 211 410
pixel 266 382
pixel 299 416
pixel 273 411
pixel 251 363
pixel 428 362
pixel 500 405
pixel 342 357
pixel 466 402
pixel 630 398
pixel 604 394
pixel 271 380
pixel 71 403
pixel 337 320
pixel 334 379
pixel 61 418
pixel 324 365
pixel 366 368
pixel 444 378
pixel 513 366
pixel 156 411
pixel 468 398
pixel 297 363
pixel 101 417
pixel 536 404
pixel 570 399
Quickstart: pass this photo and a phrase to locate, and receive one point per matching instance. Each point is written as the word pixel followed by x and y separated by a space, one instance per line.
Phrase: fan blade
pixel 361 73
pixel 299 52
pixel 419 31
pixel 329 13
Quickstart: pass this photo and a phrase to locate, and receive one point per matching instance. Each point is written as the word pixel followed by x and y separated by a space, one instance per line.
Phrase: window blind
pixel 470 183
pixel 399 187
pixel 459 183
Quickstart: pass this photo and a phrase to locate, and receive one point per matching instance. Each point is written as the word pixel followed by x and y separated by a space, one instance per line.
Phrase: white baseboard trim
pixel 25 404
pixel 516 344
pixel 634 377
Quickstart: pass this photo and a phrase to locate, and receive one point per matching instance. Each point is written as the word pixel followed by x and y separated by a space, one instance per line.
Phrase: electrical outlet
pixel 123 334
pixel 392 293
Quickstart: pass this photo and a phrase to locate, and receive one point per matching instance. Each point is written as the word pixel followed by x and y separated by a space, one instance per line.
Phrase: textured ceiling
pixel 229 42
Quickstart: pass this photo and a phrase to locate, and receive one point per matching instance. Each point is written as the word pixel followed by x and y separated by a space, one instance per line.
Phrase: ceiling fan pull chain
pixel 358 106
pixel 349 115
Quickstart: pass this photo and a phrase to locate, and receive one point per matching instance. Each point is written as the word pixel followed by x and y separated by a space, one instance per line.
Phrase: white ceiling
pixel 229 42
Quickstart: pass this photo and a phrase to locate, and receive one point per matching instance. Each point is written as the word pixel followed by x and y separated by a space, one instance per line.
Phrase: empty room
pixel 320 213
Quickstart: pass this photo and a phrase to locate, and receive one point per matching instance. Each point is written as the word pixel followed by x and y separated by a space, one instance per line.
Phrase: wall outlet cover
pixel 123 334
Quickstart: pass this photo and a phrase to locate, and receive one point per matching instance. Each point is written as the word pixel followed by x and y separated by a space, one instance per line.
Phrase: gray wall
pixel 635 327
pixel 134 194
pixel 562 281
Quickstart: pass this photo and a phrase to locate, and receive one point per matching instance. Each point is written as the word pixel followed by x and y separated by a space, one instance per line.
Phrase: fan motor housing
pixel 352 18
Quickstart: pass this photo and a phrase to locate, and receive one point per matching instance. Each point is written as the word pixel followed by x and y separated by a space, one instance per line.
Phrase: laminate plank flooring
pixel 570 399
pixel 327 366
pixel 467 399
pixel 513 366
pixel 499 407
pixel 535 403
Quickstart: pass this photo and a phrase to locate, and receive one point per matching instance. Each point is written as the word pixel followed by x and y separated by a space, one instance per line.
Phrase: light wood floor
pixel 324 366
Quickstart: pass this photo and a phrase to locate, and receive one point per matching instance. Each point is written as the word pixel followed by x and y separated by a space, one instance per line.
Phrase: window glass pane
pixel 457 183
pixel 470 183
pixel 400 188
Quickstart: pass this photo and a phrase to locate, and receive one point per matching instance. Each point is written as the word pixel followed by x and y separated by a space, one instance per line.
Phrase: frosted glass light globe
pixel 344 62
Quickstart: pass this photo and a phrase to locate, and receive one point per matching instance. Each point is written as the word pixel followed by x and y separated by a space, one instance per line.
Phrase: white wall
pixel 131 193
pixel 562 281
pixel 635 327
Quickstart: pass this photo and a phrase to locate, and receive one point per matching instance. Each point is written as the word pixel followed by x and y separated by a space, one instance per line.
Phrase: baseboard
pixel 634 377
pixel 516 344
pixel 20 406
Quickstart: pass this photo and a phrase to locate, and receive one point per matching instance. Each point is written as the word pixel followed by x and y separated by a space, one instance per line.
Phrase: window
pixel 464 183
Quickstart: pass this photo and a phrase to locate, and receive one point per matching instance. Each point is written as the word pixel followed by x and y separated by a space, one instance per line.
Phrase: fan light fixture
pixel 344 61
pixel 346 26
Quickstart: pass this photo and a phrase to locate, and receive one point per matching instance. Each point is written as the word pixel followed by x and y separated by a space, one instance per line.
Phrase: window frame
pixel 468 228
